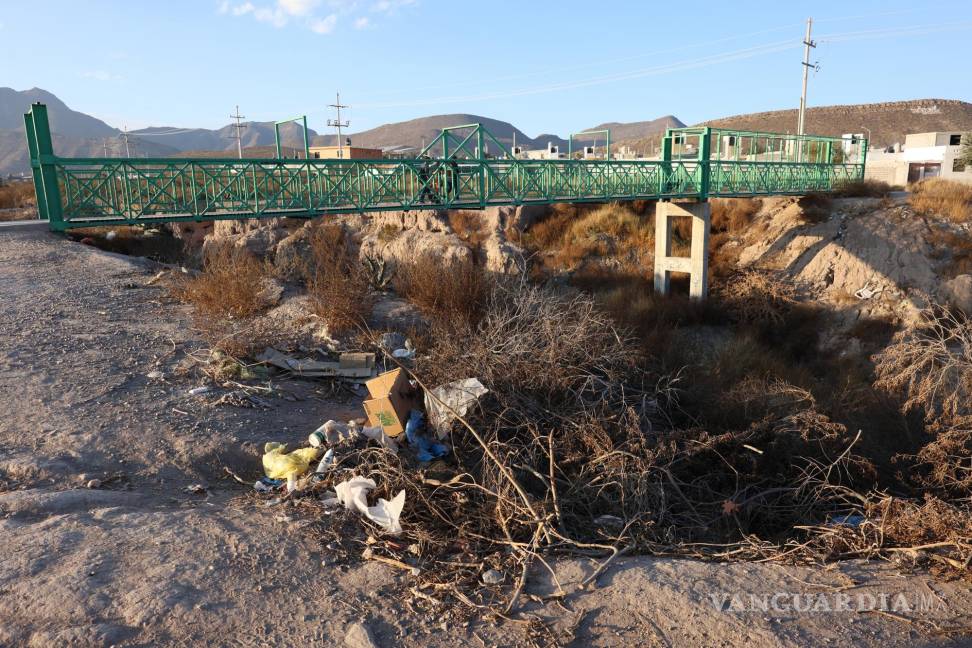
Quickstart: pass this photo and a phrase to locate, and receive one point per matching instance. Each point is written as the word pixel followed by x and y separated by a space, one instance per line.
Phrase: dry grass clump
pixel 733 215
pixel 15 195
pixel 451 294
pixel 469 226
pixel 757 297
pixel 231 284
pixel 226 297
pixel 862 189
pixel 955 246
pixel 816 207
pixel 571 234
pixel 339 285
pixel 942 198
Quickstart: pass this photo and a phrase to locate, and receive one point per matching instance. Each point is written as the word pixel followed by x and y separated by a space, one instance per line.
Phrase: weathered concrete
pixel 697 264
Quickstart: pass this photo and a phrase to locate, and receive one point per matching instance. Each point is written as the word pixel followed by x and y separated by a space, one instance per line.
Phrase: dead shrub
pixel 943 199
pixel 231 284
pixel 757 297
pixel 733 215
pixel 931 366
pixel 14 195
pixel 452 295
pixel 955 246
pixel 815 207
pixel 339 285
pixel 862 189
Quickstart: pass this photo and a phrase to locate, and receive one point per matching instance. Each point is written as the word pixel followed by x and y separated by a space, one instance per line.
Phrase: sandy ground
pixel 141 562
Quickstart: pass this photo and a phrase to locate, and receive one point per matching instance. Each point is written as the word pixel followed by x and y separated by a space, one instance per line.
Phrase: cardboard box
pixel 392 398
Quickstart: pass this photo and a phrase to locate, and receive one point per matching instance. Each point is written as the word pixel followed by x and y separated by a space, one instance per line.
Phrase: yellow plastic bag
pixel 278 464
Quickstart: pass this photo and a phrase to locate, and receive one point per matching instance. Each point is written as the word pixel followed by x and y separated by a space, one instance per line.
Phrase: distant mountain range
pixel 79 135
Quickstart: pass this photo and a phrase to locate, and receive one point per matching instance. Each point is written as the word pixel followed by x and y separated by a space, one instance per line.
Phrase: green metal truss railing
pixel 83 192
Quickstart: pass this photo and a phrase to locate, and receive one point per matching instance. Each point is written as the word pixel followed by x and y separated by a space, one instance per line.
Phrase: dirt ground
pixel 139 561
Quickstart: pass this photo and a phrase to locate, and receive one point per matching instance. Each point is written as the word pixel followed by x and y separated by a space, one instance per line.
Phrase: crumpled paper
pixel 459 395
pixel 353 493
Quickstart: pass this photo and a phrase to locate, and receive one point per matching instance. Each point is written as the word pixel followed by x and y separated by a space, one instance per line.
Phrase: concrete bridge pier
pixel 697 264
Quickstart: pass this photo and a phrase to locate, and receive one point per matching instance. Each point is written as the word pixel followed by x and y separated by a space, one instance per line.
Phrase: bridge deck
pixel 81 192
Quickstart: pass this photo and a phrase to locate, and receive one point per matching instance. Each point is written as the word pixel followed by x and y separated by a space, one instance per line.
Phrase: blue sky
pixel 543 65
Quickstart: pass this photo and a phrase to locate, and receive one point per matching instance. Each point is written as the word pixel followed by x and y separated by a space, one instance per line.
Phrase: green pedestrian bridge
pixel 465 167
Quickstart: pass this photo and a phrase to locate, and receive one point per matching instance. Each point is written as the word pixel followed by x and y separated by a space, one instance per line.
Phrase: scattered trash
pixel 349 365
pixel 846 520
pixel 493 577
pixel 375 433
pixel 93 483
pixel 332 433
pixel 459 396
pixel 196 489
pixel 155 375
pixel 110 236
pixel 867 292
pixel 196 391
pixel 353 493
pixel 265 484
pixel 608 520
pixel 326 462
pixel 425 450
pixel 403 354
pixel 277 464
pixel 392 398
pixel 156 278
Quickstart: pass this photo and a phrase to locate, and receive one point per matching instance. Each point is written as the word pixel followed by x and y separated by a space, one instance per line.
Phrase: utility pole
pixel 337 123
pixel 106 147
pixel 239 131
pixel 128 152
pixel 807 44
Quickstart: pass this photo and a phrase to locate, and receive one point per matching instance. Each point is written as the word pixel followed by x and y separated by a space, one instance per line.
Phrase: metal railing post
pixel 43 166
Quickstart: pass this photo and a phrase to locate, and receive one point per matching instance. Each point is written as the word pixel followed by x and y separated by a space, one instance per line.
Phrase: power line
pixel 337 123
pixel 807 44
pixel 239 131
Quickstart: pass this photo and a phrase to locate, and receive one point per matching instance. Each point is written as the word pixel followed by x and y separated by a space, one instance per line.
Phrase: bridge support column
pixel 696 265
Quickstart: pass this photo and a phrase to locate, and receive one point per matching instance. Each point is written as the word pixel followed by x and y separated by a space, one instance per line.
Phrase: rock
pixel 358 636
pixel 958 292
pixel 93 483
pixel 394 313
pixel 293 254
pixel 392 341
pixel 272 291
pixel 503 257
pixel 412 244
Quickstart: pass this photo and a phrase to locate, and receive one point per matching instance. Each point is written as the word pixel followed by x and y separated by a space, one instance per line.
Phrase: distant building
pixel 924 155
pixel 552 152
pixel 349 153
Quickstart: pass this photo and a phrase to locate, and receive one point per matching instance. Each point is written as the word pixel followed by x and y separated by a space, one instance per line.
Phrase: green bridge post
pixel 41 148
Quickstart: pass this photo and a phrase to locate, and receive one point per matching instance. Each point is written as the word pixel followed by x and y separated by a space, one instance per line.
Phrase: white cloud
pixel 324 25
pixel 389 6
pixel 311 14
pixel 275 17
pixel 298 7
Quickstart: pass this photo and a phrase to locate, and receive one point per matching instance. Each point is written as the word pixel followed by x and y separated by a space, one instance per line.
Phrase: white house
pixel 924 155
